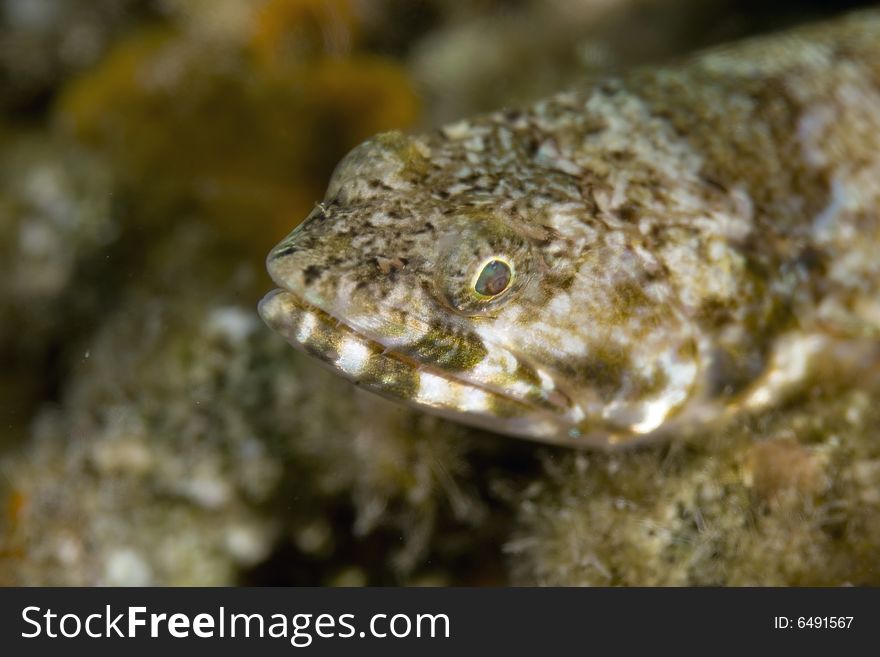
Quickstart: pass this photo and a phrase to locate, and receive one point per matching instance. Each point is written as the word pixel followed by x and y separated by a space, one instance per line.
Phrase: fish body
pixel 612 264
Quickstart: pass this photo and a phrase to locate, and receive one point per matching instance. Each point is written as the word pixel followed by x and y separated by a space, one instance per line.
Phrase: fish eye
pixel 494 278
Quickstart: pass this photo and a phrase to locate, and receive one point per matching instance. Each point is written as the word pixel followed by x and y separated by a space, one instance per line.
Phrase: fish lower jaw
pixel 393 375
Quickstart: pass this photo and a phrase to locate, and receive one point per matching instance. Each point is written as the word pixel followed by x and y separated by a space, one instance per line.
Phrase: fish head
pixel 457 306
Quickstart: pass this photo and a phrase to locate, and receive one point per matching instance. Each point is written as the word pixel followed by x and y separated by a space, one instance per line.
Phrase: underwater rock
pixel 786 498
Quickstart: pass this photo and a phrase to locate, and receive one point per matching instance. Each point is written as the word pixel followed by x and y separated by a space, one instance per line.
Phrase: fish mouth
pixel 368 363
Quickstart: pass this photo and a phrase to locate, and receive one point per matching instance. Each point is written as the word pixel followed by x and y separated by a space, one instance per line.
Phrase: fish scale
pixel 666 248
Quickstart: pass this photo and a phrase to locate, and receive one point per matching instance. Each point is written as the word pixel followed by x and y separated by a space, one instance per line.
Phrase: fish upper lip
pixel 390 352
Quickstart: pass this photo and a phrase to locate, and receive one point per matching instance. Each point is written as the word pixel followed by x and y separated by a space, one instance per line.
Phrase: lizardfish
pixel 627 261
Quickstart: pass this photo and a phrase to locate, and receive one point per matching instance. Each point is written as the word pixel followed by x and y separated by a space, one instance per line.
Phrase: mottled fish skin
pixel 680 241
